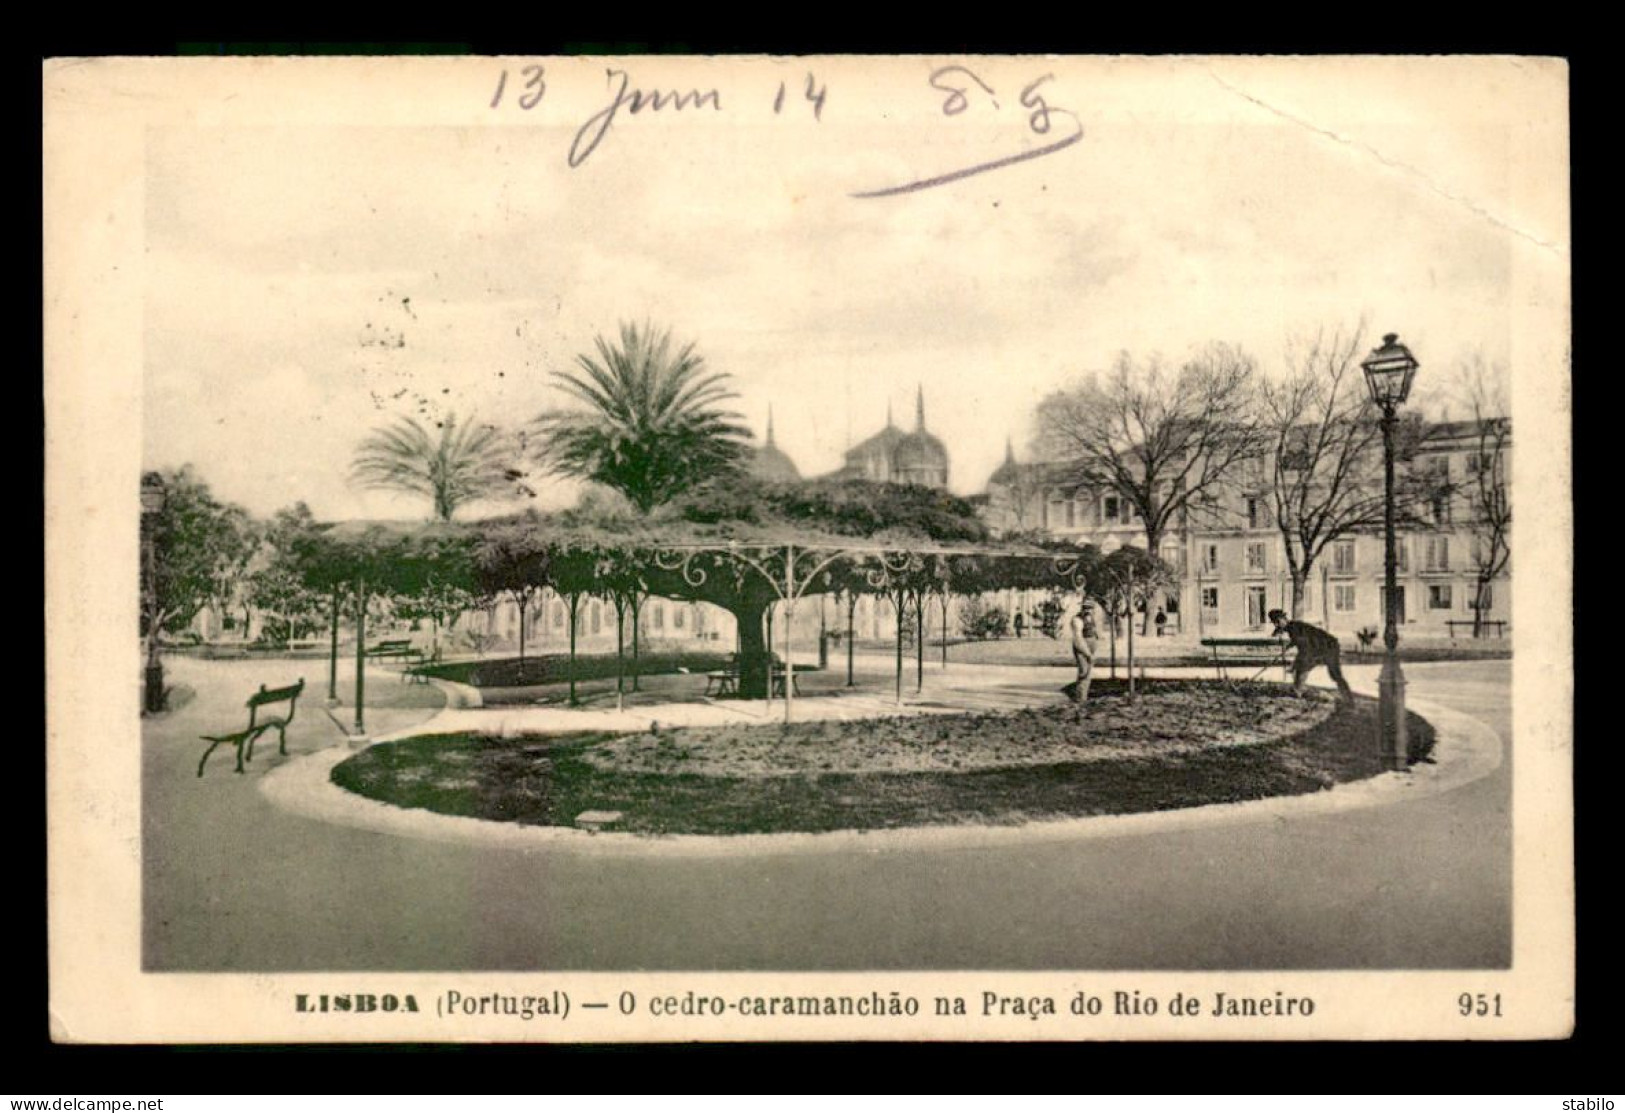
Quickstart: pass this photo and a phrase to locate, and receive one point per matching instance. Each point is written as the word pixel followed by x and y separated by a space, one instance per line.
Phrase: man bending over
pixel 1315 648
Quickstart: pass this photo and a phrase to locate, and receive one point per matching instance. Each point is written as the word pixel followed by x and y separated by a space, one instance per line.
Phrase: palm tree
pixel 454 465
pixel 652 426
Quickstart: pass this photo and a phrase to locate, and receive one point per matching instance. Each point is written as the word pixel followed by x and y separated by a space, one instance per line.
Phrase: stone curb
pixel 1465 751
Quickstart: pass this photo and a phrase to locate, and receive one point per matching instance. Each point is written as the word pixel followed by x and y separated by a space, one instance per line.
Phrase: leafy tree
pixel 651 423
pixel 453 466
pixel 513 559
pixel 282 586
pixel 194 541
pixel 1124 582
pixel 440 582
pixel 572 572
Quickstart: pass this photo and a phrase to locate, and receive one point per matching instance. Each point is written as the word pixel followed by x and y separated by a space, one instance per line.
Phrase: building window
pixel 1210 558
pixel 678 616
pixel 659 616
pixel 1071 515
pixel 1402 556
pixel 1487 599
pixel 1436 554
pixel 597 618
pixel 1343 598
pixel 558 616
pixel 1439 597
pixel 1112 508
pixel 1174 557
pixel 1441 509
pixel 1210 599
pixel 1343 558
pixel 1258 513
pixel 1257 605
pixel 1256 557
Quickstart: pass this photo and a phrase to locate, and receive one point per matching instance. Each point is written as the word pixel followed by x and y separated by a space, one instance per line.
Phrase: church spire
pixel 919 409
pixel 770 425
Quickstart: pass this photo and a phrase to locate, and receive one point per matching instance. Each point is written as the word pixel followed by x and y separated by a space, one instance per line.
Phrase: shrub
pixel 980 621
pixel 1047 616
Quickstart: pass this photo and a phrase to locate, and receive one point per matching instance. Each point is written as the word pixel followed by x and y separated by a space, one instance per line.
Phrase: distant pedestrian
pixel 1161 620
pixel 1315 647
pixel 1021 623
pixel 1084 635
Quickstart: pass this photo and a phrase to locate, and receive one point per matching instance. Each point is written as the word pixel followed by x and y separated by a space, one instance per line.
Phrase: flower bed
pixel 510 672
pixel 1032 765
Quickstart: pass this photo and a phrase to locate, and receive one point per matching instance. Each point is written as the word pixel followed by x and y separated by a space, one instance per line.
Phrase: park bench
pixel 400 649
pixel 246 737
pixel 725 681
pixel 795 679
pixel 1261 654
pixel 1484 624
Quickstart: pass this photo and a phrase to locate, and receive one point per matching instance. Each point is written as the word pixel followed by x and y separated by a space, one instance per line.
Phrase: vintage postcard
pixel 808 548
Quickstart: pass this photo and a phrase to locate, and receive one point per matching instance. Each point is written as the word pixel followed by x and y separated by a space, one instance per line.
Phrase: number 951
pixel 1479 1004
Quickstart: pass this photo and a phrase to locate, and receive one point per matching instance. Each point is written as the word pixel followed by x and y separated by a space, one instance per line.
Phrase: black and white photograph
pixel 680 548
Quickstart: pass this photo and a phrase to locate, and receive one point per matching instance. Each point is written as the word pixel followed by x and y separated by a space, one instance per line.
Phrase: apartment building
pixel 1230 559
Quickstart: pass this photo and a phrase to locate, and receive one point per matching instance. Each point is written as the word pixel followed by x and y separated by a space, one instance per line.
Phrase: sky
pixel 308 283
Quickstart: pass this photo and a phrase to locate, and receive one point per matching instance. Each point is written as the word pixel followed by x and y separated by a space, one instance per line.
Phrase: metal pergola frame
pixel 788 567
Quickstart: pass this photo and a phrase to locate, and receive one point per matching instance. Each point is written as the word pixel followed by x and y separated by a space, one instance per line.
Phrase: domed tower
pixel 1009 471
pixel 920 457
pixel 770 462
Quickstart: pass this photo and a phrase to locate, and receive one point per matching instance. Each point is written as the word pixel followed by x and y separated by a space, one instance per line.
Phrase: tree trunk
pixel 575 607
pixel 1300 577
pixel 1479 592
pixel 755 658
pixel 637 641
pixel 897 606
pixel 1111 626
pixel 1131 635
pixel 919 643
pixel 851 613
pixel 620 652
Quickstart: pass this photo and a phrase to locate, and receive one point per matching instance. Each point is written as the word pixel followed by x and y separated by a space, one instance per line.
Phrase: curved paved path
pixel 234 882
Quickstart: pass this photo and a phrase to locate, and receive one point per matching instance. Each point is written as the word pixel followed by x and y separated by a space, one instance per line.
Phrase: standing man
pixel 1021 624
pixel 1315 647
pixel 1083 652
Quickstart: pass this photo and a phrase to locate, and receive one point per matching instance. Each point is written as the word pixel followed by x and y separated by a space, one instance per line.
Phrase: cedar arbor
pixel 737 543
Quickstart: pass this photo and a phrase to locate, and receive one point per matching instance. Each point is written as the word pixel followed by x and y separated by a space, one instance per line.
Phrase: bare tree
pixel 1323 453
pixel 1163 440
pixel 1324 449
pixel 1483 388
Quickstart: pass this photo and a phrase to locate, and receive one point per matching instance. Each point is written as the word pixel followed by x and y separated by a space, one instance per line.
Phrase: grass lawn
pixel 1183 744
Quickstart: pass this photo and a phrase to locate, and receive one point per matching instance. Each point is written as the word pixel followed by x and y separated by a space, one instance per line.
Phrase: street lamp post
pixel 1389 371
pixel 152 505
